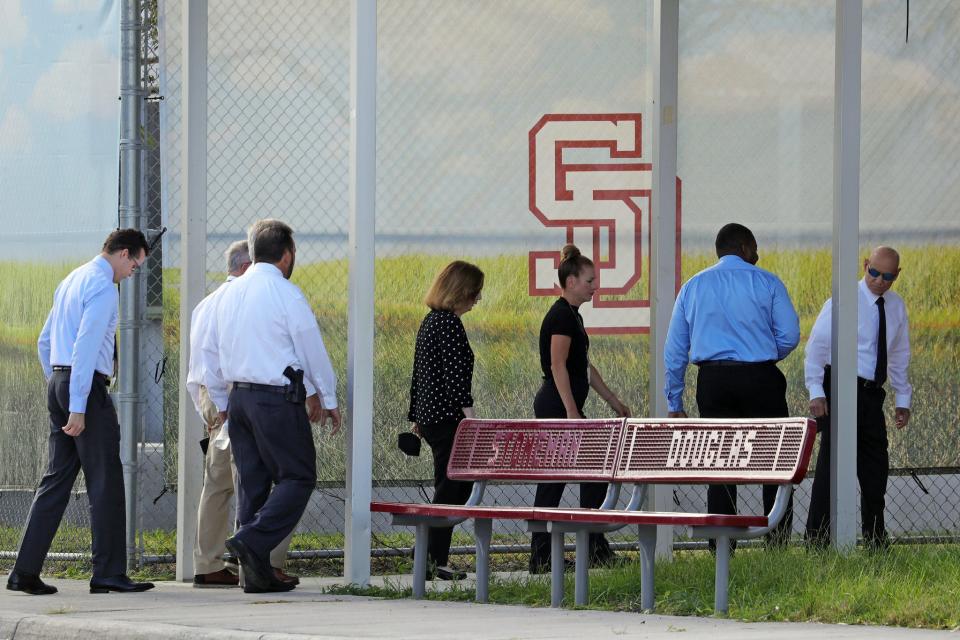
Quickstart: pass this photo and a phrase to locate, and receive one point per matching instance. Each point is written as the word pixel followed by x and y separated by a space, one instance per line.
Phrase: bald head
pixel 885 263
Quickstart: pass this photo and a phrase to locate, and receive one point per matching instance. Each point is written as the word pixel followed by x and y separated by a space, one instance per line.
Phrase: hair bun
pixel 569 252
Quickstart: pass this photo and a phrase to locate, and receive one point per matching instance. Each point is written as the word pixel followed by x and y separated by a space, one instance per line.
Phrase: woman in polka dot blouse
pixel 441 390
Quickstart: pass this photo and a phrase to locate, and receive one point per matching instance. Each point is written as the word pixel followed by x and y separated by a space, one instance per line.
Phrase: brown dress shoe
pixel 216 580
pixel 285 577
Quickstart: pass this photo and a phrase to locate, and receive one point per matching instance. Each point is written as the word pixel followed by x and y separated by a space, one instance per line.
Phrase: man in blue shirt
pixel 734 321
pixel 76 349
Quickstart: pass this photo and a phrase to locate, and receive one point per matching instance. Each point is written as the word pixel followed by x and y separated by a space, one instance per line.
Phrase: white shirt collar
pixel 266 268
pixel 871 296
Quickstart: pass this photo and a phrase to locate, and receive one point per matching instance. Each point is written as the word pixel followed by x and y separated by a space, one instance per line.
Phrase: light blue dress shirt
pixel 730 311
pixel 80 329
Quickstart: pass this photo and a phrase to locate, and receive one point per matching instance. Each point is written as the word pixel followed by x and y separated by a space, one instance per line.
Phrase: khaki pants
pixel 213 517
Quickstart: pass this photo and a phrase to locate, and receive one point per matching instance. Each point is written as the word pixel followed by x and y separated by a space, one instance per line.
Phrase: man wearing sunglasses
pixel 883 353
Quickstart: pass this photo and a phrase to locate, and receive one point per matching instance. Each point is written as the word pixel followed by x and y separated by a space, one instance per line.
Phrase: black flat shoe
pixel 29 583
pixel 119 584
pixel 538 568
pixel 448 573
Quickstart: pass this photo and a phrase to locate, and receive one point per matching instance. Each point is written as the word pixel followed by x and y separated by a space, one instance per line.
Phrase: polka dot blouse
pixel 442 370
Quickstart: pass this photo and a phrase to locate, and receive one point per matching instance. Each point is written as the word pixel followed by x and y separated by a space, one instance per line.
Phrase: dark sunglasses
pixel 888 277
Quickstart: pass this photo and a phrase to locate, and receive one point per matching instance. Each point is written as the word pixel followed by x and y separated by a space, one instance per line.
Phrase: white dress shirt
pixel 203 342
pixel 80 328
pixel 898 344
pixel 265 325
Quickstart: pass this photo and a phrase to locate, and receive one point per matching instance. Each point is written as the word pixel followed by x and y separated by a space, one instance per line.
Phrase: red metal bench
pixel 637 452
pixel 515 451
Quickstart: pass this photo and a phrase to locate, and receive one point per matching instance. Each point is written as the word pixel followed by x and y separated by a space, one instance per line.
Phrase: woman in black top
pixel 440 391
pixel 567 378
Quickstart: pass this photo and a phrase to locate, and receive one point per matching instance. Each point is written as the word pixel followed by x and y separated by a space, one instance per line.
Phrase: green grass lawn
pixel 910 586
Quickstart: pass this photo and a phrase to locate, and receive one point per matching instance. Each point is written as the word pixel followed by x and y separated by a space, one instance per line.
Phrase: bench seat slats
pixel 452 510
pixel 649 517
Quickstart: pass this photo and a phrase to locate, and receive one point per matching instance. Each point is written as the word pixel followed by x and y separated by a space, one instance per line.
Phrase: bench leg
pixel 483 530
pixel 722 575
pixel 420 561
pixel 648 550
pixel 556 568
pixel 582 573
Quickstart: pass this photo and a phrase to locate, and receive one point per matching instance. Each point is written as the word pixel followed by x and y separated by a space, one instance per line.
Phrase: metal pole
pixel 663 260
pixel 846 229
pixel 363 155
pixel 193 269
pixel 131 214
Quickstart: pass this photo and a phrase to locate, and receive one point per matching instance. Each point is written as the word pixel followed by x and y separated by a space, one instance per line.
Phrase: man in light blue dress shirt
pixel 76 349
pixel 735 321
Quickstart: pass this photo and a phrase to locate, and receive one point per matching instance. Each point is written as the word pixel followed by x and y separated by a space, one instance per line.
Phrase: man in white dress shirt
pixel 883 353
pixel 271 351
pixel 76 349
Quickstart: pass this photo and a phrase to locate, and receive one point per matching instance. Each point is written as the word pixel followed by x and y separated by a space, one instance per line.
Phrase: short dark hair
pixel 132 240
pixel 270 239
pixel 572 263
pixel 731 237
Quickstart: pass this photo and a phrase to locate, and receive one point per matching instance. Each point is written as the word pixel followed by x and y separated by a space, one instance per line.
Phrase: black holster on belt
pixel 296 392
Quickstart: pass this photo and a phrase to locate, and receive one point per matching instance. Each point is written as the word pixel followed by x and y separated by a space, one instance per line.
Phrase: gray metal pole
pixel 664 52
pixel 131 215
pixel 193 271
pixel 363 182
pixel 846 228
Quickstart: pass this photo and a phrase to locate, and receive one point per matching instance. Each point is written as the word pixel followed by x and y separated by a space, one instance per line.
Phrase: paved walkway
pixel 175 611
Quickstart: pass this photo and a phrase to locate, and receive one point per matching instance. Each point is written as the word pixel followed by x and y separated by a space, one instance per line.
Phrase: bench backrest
pixel 769 451
pixel 688 451
pixel 536 450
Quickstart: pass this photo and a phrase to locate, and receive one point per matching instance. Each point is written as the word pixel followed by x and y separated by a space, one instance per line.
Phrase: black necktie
pixel 880 374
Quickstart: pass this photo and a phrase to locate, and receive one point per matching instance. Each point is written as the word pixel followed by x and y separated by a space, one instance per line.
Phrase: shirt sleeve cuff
pixel 329 401
pixel 816 391
pixel 903 400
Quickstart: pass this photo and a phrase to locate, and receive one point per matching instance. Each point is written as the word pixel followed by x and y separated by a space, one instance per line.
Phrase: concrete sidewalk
pixel 175 611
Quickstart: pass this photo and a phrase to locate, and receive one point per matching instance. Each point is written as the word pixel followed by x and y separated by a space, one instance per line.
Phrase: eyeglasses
pixel 887 277
pixel 136 263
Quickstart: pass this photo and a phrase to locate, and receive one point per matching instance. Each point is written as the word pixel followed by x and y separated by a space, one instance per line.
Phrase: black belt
pixel 253 386
pixel 862 383
pixel 96 374
pixel 732 363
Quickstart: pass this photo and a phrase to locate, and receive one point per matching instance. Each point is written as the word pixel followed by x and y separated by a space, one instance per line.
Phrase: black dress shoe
pixel 257 573
pixel 447 572
pixel 274 586
pixel 29 583
pixel 120 584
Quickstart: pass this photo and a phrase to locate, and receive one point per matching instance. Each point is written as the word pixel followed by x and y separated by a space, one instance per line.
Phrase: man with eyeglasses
pixel 76 349
pixel 883 353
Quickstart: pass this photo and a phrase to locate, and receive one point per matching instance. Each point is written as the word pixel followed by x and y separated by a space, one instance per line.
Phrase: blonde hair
pixel 572 263
pixel 457 283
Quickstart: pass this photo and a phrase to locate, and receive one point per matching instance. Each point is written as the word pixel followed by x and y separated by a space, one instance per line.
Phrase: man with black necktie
pixel 883 353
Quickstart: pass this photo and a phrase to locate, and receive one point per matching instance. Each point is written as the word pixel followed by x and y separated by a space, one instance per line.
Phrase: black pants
pixel 272 445
pixel 547 404
pixel 744 391
pixel 445 491
pixel 873 467
pixel 97 451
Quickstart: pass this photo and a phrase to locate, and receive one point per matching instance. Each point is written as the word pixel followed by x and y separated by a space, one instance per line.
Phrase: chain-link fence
pixel 460 87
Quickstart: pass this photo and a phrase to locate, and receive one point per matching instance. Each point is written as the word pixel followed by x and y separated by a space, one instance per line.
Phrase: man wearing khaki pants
pixel 219 473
